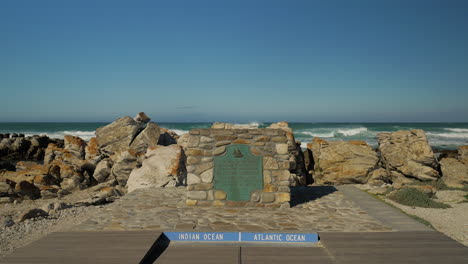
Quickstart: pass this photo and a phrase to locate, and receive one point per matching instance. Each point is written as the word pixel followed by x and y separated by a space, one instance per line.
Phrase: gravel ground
pixel 15 234
pixel 451 221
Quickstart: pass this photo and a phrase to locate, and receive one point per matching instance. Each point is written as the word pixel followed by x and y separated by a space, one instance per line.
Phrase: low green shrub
pixel 415 197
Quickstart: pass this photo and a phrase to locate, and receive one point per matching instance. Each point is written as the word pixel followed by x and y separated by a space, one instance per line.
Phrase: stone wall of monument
pixel 203 146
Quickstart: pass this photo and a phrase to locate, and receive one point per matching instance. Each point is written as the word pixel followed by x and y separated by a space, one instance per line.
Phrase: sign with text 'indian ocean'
pixel 243 237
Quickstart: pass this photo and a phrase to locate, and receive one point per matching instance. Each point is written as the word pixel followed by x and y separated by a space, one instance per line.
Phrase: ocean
pixel 440 135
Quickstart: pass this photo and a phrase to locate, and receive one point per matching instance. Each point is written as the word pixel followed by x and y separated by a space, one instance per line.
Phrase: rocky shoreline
pixel 134 153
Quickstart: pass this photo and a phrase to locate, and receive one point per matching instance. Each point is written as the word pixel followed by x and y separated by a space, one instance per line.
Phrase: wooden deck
pixel 339 247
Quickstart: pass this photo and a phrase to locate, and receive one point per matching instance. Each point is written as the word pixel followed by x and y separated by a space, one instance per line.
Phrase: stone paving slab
pixel 313 209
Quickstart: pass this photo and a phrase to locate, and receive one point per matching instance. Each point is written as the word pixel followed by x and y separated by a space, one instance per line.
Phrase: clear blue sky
pixel 312 61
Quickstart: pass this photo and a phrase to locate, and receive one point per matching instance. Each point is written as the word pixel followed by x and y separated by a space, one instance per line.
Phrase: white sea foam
pixel 352 131
pixel 318 134
pixel 449 135
pixel 458 130
pixel 85 135
pixel 249 125
pixel 179 132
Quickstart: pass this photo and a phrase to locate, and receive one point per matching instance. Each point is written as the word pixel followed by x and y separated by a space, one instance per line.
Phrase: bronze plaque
pixel 238 172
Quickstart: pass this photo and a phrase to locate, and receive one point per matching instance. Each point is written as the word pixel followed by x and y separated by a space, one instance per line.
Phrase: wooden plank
pixel 277 255
pixel 86 247
pixel 394 247
pixel 176 254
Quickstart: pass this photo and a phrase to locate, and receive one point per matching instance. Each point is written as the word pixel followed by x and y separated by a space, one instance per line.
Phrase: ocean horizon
pixel 447 136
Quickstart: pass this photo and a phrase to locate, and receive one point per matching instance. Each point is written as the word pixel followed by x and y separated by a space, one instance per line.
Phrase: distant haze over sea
pixel 440 135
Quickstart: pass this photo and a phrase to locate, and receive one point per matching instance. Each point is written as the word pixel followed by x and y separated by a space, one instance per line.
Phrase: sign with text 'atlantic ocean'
pixel 242 237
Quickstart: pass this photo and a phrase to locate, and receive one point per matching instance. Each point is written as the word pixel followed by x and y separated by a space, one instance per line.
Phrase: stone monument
pixel 238 167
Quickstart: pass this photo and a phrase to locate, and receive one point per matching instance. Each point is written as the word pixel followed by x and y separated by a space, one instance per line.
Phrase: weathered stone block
pixel 241 141
pixel 202 167
pixel 281 175
pixel 283 197
pixel 194 132
pixel 204 139
pixel 193 141
pixel 207 176
pixel 219 203
pixel 279 139
pixel 203 186
pixel 266 176
pixel 197 195
pixel 268 197
pixel 220 195
pixel 193 160
pixel 255 197
pixel 221 132
pixel 270 163
pixel 282 148
pixel 270 188
pixel 190 202
pixel 222 143
pixel 192 179
pixel 195 152
pixel 229 138
pixel 284 189
pixel 219 151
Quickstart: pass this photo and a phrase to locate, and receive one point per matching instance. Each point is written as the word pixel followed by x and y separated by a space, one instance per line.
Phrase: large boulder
pixel 103 170
pixel 454 172
pixel 409 153
pixel 117 136
pixel 149 137
pixel 124 163
pixel 92 149
pixel 75 146
pixel 142 118
pixel 340 162
pixel 164 166
pixel 167 137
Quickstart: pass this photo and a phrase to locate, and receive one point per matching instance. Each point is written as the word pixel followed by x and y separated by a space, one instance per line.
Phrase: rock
pixel 149 137
pixel 4 188
pixel 6 221
pixel 163 167
pixel 117 136
pixel 6 165
pixel 75 146
pixel 56 206
pixel 71 184
pixel 102 170
pixel 463 154
pixel 409 153
pixel 92 149
pixel 183 140
pixel 167 137
pixel 33 213
pixel 399 180
pixel 281 125
pixel 142 117
pixel 379 177
pixel 26 165
pixel 340 162
pixel 48 192
pixel 123 165
pixel 109 192
pixel 6 200
pixel 28 189
pixel 454 172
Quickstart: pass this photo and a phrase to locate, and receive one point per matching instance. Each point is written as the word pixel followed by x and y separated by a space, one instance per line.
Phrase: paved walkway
pixel 384 213
pixel 353 227
pixel 163 209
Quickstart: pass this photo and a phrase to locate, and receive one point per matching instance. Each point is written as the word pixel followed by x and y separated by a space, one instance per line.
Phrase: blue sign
pixel 203 236
pixel 243 237
pixel 280 237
